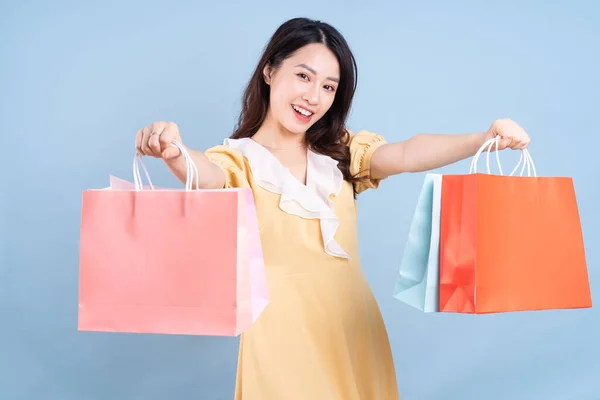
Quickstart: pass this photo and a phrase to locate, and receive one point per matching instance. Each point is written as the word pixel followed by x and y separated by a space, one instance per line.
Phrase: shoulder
pixel 230 156
pixel 229 147
pixel 362 137
pixel 362 145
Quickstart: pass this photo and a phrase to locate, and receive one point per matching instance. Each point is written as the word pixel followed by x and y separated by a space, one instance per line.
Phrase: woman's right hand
pixel 155 140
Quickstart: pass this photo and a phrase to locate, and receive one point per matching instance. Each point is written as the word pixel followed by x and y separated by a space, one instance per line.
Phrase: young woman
pixel 322 336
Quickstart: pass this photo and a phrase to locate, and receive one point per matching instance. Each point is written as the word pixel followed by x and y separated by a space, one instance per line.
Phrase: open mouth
pixel 302 113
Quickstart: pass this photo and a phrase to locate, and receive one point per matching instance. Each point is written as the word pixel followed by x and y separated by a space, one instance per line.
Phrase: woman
pixel 322 336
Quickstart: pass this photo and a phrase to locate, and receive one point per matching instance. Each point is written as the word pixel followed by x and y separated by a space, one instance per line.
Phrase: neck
pixel 272 134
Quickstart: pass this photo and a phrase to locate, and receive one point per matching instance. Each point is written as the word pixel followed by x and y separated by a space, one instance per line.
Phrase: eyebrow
pixel 315 72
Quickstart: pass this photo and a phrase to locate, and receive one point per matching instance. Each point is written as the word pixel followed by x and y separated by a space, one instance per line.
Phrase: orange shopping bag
pixel 170 261
pixel 510 243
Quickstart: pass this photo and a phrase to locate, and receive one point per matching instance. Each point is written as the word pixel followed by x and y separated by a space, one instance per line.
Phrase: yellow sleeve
pixel 362 146
pixel 233 163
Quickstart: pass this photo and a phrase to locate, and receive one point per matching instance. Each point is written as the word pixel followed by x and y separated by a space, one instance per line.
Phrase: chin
pixel 294 128
pixel 298 128
pixel 298 131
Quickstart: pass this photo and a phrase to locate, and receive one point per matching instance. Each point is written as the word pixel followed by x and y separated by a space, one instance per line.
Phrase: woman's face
pixel 303 87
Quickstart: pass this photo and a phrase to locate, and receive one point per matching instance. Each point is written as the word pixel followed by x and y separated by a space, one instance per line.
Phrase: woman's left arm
pixel 425 152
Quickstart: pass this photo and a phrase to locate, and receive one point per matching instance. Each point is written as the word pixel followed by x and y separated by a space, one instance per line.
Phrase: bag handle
pixel 525 156
pixel 191 169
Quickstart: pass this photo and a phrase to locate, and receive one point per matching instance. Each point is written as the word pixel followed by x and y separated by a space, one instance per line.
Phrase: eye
pixel 303 76
pixel 330 88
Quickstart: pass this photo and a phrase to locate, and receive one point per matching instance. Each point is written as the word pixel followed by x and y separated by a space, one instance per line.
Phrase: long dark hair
pixel 328 136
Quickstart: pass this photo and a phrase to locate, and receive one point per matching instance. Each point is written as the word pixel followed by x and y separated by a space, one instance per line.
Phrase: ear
pixel 267 73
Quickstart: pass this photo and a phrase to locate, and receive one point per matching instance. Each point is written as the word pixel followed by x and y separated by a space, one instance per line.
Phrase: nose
pixel 312 94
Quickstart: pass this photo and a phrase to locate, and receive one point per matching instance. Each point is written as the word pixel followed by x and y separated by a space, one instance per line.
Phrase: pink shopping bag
pixel 170 261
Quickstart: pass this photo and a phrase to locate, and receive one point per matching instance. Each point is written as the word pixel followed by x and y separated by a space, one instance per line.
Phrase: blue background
pixel 78 79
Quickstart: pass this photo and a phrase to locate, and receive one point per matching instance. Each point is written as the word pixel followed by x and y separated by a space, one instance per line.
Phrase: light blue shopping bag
pixel 418 280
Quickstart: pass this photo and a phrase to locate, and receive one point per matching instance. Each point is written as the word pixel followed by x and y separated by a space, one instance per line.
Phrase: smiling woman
pixel 301 92
pixel 322 335
pixel 304 111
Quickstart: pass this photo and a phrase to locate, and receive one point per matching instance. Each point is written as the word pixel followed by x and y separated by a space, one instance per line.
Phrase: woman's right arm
pixel 155 140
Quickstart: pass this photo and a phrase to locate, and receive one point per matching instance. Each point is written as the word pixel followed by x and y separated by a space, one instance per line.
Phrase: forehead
pixel 318 57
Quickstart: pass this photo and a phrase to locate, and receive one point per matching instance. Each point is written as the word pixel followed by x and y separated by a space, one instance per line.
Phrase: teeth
pixel 302 111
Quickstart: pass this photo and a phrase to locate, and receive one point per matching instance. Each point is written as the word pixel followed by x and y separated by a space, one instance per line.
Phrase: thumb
pixel 508 142
pixel 503 143
pixel 170 153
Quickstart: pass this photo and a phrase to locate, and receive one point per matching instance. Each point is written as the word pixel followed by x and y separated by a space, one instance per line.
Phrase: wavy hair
pixel 329 135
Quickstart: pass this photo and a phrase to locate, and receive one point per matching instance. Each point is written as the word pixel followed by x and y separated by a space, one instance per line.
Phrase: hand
pixel 155 140
pixel 511 135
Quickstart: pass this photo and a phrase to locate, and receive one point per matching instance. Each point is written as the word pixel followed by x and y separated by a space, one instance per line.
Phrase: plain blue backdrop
pixel 78 79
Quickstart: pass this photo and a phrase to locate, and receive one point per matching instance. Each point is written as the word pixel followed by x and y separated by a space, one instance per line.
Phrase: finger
pixel 148 137
pixel 138 140
pixel 526 139
pixel 154 143
pixel 171 152
pixel 145 137
pixel 517 145
pixel 170 134
pixel 523 144
pixel 514 144
pixel 153 140
pixel 504 143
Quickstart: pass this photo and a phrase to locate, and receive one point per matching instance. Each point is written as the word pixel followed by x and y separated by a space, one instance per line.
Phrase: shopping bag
pixel 510 243
pixel 170 261
pixel 417 284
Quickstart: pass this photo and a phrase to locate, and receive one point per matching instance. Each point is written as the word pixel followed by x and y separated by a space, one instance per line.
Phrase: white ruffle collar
pixel 309 201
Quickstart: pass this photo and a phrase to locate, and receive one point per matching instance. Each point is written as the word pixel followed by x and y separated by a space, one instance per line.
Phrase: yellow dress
pixel 322 336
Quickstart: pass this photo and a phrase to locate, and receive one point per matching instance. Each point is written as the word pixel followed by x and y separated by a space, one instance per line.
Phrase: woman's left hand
pixel 512 135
